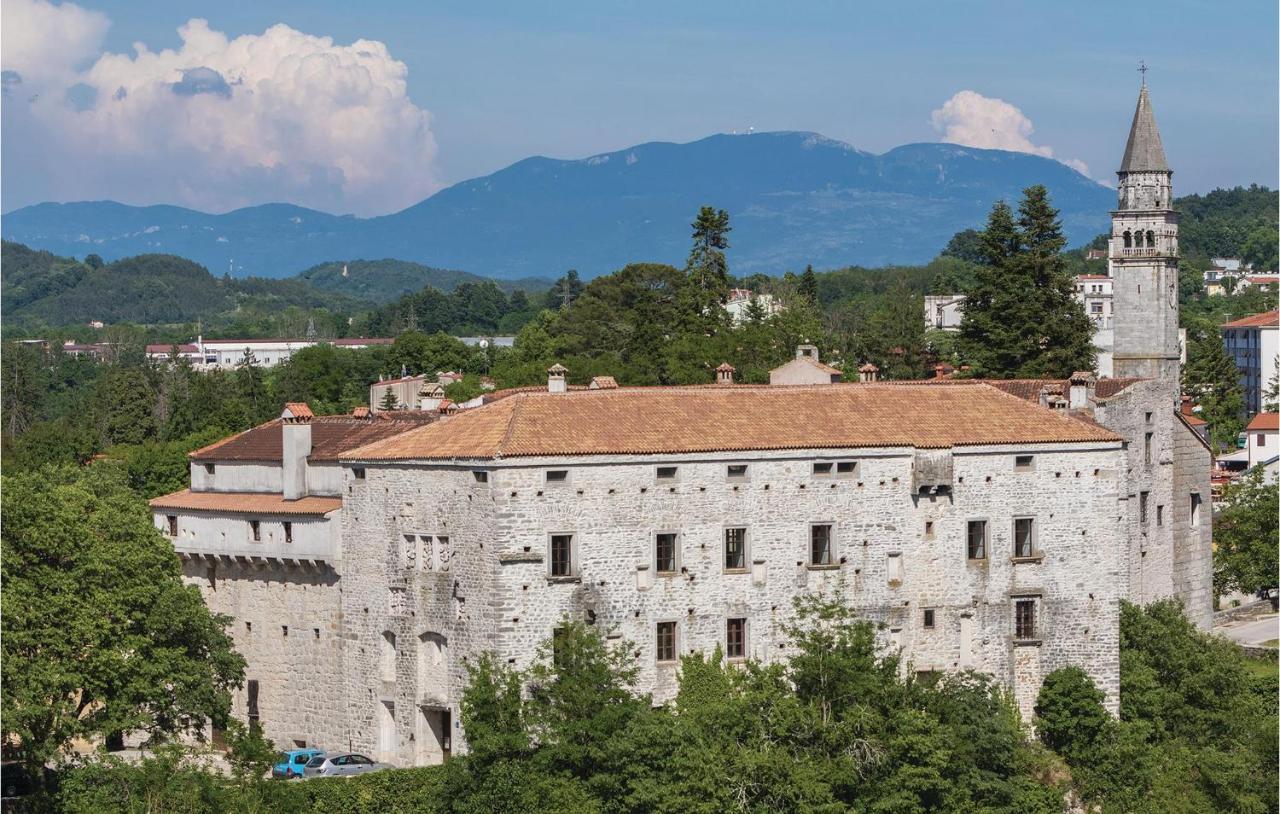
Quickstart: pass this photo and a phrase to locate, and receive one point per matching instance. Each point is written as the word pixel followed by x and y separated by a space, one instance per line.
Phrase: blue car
pixel 293 763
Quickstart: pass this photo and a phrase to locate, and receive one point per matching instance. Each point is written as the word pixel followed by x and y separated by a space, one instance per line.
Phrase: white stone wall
pixel 216 534
pixel 236 477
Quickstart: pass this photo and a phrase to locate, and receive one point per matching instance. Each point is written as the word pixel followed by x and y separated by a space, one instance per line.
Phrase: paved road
pixel 1253 631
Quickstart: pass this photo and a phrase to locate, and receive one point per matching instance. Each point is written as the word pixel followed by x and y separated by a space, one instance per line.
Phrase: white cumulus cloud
pixel 215 124
pixel 974 120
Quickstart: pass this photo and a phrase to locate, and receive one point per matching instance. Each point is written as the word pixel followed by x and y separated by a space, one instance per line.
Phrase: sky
pixel 369 107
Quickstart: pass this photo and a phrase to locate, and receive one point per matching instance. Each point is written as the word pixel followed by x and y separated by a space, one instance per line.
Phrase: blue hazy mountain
pixel 794 198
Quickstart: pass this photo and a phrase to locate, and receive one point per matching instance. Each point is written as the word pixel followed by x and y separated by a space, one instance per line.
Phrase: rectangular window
pixel 173 524
pixel 357 472
pixel 288 531
pixel 251 702
pixel 1262 440
pixel 977 539
pixel 557 475
pixel 561 555
pixel 208 468
pixel 667 472
pixel 928 529
pixel 846 468
pixel 735 638
pixel 666 650
pixel 1024 619
pixel 1023 462
pixel 256 530
pixel 820 544
pixel 1024 537
pixel 737 472
pixel 211 574
pixel 1146 449
pixel 480 475
pixel 1143 498
pixel 822 469
pixel 735 549
pixel 1160 515
pixel 664 550
pixel 928 618
pixel 1195 508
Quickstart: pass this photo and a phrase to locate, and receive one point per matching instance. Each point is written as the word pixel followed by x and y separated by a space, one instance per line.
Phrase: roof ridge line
pixel 511 425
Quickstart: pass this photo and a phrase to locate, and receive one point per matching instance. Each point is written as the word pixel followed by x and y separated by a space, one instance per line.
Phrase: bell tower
pixel 1143 257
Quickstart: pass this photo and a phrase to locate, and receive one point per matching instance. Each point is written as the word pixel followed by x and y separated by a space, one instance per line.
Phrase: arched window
pixel 388 656
pixel 1128 240
pixel 1151 239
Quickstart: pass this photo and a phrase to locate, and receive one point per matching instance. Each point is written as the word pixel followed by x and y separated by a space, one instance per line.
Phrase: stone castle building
pixel 993 526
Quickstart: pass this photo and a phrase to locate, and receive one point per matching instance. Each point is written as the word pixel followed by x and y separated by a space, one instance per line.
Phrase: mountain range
pixel 794 199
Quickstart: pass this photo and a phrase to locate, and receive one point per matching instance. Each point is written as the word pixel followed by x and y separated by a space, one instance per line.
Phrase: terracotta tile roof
pixel 1270 319
pixel 299 409
pixel 604 383
pixel 330 436
pixel 263 503
pixel 1029 389
pixel 1264 421
pixel 1264 279
pixel 658 420
pixel 1092 277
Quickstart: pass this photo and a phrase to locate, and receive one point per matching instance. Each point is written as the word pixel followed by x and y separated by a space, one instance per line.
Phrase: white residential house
pixel 1254 343
pixel 740 300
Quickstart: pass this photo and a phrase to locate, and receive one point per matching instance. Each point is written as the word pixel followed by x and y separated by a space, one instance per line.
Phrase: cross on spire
pixel 1142 69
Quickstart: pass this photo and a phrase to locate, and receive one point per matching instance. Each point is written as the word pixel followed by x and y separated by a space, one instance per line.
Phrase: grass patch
pixel 1263 669
pixel 1271 643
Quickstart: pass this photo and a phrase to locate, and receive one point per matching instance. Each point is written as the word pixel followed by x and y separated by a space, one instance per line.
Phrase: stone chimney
pixel 807 351
pixel 868 373
pixel 724 374
pixel 1082 383
pixel 555 378
pixel 295 430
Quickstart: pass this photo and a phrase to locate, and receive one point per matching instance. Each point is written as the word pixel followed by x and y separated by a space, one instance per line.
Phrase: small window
pixel 666 650
pixel 255 529
pixel 208 468
pixel 846 468
pixel 1149 418
pixel 1262 440
pixel 822 469
pixel 561 555
pixel 977 539
pixel 664 550
pixel 480 475
pixel 173 524
pixel 928 618
pixel 1195 508
pixel 735 549
pixel 1146 449
pixel 928 529
pixel 211 574
pixel 735 638
pixel 737 472
pixel 357 472
pixel 667 472
pixel 820 544
pixel 1160 515
pixel 284 631
pixel 1143 498
pixel 1024 619
pixel 557 475
pixel 1023 462
pixel 1024 537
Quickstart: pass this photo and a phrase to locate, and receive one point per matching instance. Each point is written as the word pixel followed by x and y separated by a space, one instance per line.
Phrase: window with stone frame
pixel 1195 508
pixel 288 531
pixel 735 638
pixel 1024 619
pixel 255 529
pixel 666 642
pixel 976 540
pixel 846 469
pixel 929 616
pixel 560 562
pixel 665 556
pixel 822 469
pixel 735 549
pixel 1143 499
pixel 172 520
pixel 736 472
pixel 821 544
pixel 667 473
pixel 1146 448
pixel 1024 537
pixel 1160 514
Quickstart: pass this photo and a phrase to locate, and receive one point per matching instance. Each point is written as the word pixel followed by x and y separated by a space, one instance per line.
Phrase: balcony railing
pixel 1148 251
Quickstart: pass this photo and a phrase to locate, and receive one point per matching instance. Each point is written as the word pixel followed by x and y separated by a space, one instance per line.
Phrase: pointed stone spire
pixel 1144 152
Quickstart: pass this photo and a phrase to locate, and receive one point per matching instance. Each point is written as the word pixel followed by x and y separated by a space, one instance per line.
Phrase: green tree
pixel 126 399
pixel 389 401
pixel 1261 248
pixel 1070 718
pixel 22 384
pixel 809 285
pixel 1244 535
pixel 706 285
pixel 1271 394
pixel 1211 378
pixel 1021 318
pixel 252 388
pixel 100 635
pixel 966 245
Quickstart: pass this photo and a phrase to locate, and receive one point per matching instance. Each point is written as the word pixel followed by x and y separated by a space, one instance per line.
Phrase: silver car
pixel 342 765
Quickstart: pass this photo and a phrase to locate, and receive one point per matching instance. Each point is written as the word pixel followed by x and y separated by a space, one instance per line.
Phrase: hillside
pixel 795 198
pixel 382 281
pixel 40 288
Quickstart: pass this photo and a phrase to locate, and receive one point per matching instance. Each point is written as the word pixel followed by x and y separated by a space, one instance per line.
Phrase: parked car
pixel 342 765
pixel 293 763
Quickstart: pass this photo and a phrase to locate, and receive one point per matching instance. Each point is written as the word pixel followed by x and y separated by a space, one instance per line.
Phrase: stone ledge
pixel 511 557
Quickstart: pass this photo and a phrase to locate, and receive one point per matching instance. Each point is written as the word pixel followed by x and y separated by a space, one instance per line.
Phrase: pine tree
pixel 706 285
pixel 809 285
pixel 1021 318
pixel 1211 378
pixel 252 387
pixel 389 401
